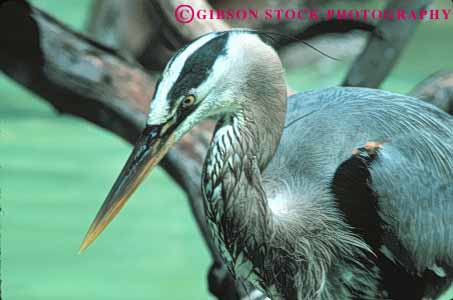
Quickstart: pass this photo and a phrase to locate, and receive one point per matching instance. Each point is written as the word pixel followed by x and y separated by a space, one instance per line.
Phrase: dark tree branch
pixel 384 46
pixel 437 89
pixel 75 75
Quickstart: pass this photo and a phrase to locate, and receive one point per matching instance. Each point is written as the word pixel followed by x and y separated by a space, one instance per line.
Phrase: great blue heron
pixel 292 206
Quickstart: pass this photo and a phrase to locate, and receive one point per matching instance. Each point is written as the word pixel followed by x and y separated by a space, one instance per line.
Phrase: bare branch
pixel 437 89
pixel 384 47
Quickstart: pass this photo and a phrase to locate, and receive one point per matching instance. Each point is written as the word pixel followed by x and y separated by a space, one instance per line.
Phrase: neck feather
pixel 243 144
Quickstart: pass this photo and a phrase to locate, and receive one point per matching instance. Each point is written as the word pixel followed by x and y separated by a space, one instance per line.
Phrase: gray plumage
pixel 275 217
pixel 342 193
pixel 309 241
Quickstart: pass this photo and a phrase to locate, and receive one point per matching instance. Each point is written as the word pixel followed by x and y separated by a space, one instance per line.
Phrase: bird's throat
pixel 235 201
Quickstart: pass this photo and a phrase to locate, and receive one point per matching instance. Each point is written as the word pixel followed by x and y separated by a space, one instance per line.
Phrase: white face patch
pixel 159 107
pixel 228 73
pixel 223 82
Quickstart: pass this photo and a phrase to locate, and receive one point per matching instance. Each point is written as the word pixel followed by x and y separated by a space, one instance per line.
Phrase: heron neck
pixel 236 204
pixel 261 117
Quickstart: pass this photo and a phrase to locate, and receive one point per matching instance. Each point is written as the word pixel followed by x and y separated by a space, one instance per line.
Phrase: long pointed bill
pixel 147 153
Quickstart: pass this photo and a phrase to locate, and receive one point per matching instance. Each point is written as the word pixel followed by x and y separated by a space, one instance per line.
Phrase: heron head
pixel 206 78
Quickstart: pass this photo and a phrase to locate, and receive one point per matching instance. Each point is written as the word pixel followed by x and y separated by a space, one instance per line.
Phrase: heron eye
pixel 188 101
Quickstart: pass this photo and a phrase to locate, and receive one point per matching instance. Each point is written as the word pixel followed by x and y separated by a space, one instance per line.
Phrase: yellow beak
pixel 147 153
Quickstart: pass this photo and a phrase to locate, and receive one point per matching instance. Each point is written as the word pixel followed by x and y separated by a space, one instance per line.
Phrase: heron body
pixel 342 193
pixel 406 212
